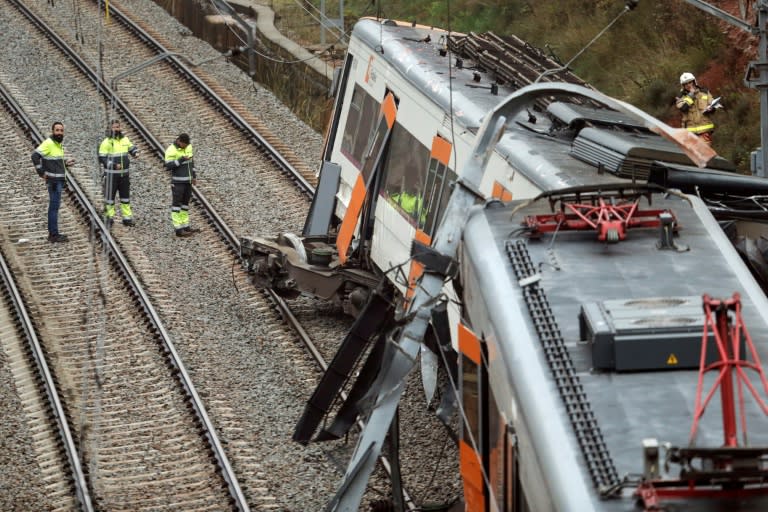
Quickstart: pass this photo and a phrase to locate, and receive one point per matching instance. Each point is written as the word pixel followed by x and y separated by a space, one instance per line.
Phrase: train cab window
pixel 404 174
pixel 363 112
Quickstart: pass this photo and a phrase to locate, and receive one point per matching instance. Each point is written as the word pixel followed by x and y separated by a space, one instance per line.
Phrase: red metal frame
pixel 728 341
pixel 651 493
pixel 611 221
pixel 724 322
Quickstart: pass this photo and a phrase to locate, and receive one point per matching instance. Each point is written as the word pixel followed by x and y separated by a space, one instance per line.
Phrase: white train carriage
pixel 409 102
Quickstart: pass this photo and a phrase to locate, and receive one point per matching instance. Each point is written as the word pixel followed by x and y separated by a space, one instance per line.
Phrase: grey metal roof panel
pixel 639 145
pixel 577 269
pixel 569 113
pixel 643 146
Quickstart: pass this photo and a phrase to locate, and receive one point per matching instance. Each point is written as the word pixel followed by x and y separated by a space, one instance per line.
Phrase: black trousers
pixel 181 194
pixel 117 183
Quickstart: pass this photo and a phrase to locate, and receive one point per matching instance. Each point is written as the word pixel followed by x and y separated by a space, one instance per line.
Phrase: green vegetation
pixel 639 59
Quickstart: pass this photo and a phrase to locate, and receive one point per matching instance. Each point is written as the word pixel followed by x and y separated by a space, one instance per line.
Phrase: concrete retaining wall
pixel 299 78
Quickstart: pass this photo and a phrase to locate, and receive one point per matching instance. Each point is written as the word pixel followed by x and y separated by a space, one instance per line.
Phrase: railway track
pixel 62 475
pixel 210 279
pixel 129 402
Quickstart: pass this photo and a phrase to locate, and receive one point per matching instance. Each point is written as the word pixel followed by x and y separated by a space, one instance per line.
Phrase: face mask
pixel 58 138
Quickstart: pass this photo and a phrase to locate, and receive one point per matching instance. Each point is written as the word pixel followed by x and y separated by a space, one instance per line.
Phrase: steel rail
pixel 70 446
pixel 68 442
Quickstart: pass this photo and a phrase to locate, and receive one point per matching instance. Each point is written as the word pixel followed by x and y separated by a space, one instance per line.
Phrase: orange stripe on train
pixel 469 345
pixel 472 475
pixel 500 192
pixel 441 150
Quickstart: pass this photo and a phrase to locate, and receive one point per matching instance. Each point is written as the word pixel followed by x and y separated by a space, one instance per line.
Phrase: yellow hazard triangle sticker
pixel 672 359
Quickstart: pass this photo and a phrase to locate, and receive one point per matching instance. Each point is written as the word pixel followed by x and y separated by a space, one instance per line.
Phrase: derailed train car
pixel 584 312
pixel 409 102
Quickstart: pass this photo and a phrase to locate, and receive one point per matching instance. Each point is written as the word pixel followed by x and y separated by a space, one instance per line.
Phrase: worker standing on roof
pixel 696 105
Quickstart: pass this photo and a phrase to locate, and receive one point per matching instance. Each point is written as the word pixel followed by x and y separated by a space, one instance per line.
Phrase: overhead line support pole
pixel 760 67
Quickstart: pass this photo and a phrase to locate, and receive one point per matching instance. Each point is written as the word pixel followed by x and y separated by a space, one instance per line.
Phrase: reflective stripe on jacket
pixel 694 118
pixel 114 151
pixel 48 160
pixel 181 172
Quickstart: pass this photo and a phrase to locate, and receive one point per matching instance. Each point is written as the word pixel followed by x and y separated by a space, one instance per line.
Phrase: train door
pixel 364 182
pixel 488 456
pixel 513 496
pixel 339 87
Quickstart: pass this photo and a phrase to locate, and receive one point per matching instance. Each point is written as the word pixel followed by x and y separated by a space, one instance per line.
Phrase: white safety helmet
pixel 687 77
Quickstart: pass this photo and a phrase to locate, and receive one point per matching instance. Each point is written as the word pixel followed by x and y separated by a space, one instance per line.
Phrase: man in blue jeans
pixel 50 165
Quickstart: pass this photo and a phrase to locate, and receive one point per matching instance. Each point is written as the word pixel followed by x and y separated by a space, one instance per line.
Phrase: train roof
pixel 633 293
pixel 576 141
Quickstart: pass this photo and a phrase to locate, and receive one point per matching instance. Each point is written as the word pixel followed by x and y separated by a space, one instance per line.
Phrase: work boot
pixel 183 233
pixel 192 230
pixel 57 238
pixel 108 222
pixel 127 222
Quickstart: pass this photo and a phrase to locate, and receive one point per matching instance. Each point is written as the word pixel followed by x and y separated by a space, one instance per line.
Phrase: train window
pixel 470 392
pixel 404 174
pixel 437 193
pixel 375 150
pixel 363 111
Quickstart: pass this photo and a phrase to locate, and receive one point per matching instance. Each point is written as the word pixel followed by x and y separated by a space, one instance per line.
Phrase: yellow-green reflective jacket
pixel 182 171
pixel 48 160
pixel 412 204
pixel 113 151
